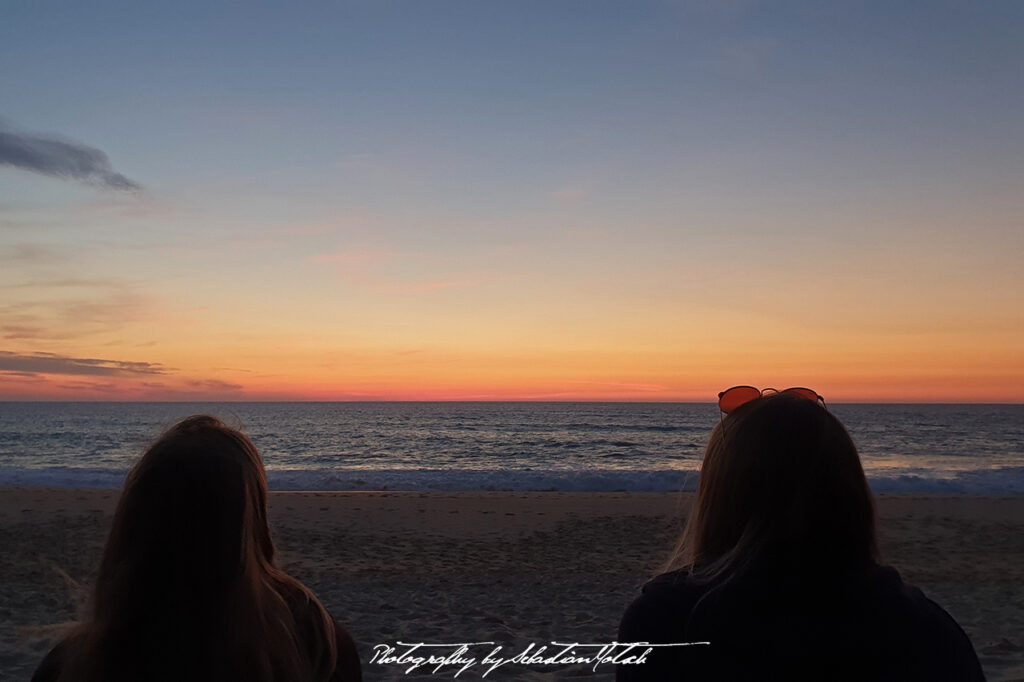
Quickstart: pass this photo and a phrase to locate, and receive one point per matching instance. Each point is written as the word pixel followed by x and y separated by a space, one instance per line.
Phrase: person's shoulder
pixel 50 668
pixel 318 628
pixel 932 631
pixel 348 667
pixel 677 587
pixel 659 613
pixel 911 601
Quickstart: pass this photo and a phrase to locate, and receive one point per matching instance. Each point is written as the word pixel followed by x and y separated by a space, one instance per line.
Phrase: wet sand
pixel 513 568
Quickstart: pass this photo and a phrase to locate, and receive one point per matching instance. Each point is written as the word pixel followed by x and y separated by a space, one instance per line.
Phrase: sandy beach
pixel 513 568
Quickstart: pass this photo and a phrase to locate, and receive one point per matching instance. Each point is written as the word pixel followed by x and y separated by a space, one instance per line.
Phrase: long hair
pixel 781 486
pixel 188 589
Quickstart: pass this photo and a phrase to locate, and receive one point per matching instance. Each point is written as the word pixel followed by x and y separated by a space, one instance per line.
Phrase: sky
pixel 558 200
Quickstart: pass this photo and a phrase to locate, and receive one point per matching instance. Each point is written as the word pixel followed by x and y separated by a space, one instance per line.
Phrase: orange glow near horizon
pixel 514 343
pixel 552 376
pixel 499 344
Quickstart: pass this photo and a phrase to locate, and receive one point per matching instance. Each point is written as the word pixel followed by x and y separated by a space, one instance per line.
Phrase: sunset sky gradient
pixel 577 200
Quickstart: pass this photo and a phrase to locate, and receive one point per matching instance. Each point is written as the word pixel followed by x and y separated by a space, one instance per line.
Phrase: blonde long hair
pixel 188 589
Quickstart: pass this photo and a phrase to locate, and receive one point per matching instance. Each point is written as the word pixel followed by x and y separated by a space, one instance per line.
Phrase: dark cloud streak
pixel 15 331
pixel 49 363
pixel 88 386
pixel 58 158
pixel 22 375
pixel 215 385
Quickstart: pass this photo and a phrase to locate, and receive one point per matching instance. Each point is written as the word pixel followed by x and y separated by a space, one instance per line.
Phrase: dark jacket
pixel 864 625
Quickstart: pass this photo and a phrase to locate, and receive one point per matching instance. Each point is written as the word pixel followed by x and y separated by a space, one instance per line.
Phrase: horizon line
pixel 494 401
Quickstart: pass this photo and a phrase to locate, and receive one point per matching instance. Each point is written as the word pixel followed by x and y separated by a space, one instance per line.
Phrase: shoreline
pixel 513 567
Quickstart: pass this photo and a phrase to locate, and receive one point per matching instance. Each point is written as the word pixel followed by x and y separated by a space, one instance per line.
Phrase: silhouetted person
pixel 777 566
pixel 188 589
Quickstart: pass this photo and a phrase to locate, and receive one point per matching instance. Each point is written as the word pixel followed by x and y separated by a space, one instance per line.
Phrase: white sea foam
pixel 1000 481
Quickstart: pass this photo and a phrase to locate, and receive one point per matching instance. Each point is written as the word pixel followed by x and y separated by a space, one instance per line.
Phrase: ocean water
pixel 960 449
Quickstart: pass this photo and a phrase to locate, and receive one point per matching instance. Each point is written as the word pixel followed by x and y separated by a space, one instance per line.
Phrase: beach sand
pixel 513 568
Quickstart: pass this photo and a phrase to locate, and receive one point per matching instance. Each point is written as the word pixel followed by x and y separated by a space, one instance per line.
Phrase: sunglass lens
pixel 732 398
pixel 803 393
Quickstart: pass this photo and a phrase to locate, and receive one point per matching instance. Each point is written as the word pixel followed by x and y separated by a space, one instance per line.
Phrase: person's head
pixel 187 585
pixel 781 485
pixel 192 519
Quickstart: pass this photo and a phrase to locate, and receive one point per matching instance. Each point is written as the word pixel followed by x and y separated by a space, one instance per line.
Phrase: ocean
pixel 642 447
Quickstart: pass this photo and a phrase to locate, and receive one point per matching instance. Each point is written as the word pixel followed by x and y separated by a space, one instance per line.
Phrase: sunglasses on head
pixel 731 398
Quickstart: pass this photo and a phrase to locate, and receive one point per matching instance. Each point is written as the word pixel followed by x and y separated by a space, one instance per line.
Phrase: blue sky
pixel 855 164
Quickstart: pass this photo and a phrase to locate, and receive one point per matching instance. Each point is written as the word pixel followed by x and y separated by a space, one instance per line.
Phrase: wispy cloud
pixel 626 385
pixel 89 386
pixel 65 284
pixel 427 287
pixel 51 363
pixel 72 308
pixel 214 385
pixel 369 270
pixel 357 258
pixel 22 377
pixel 17 331
pixel 107 313
pixel 59 158
pixel 29 254
pixel 195 389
